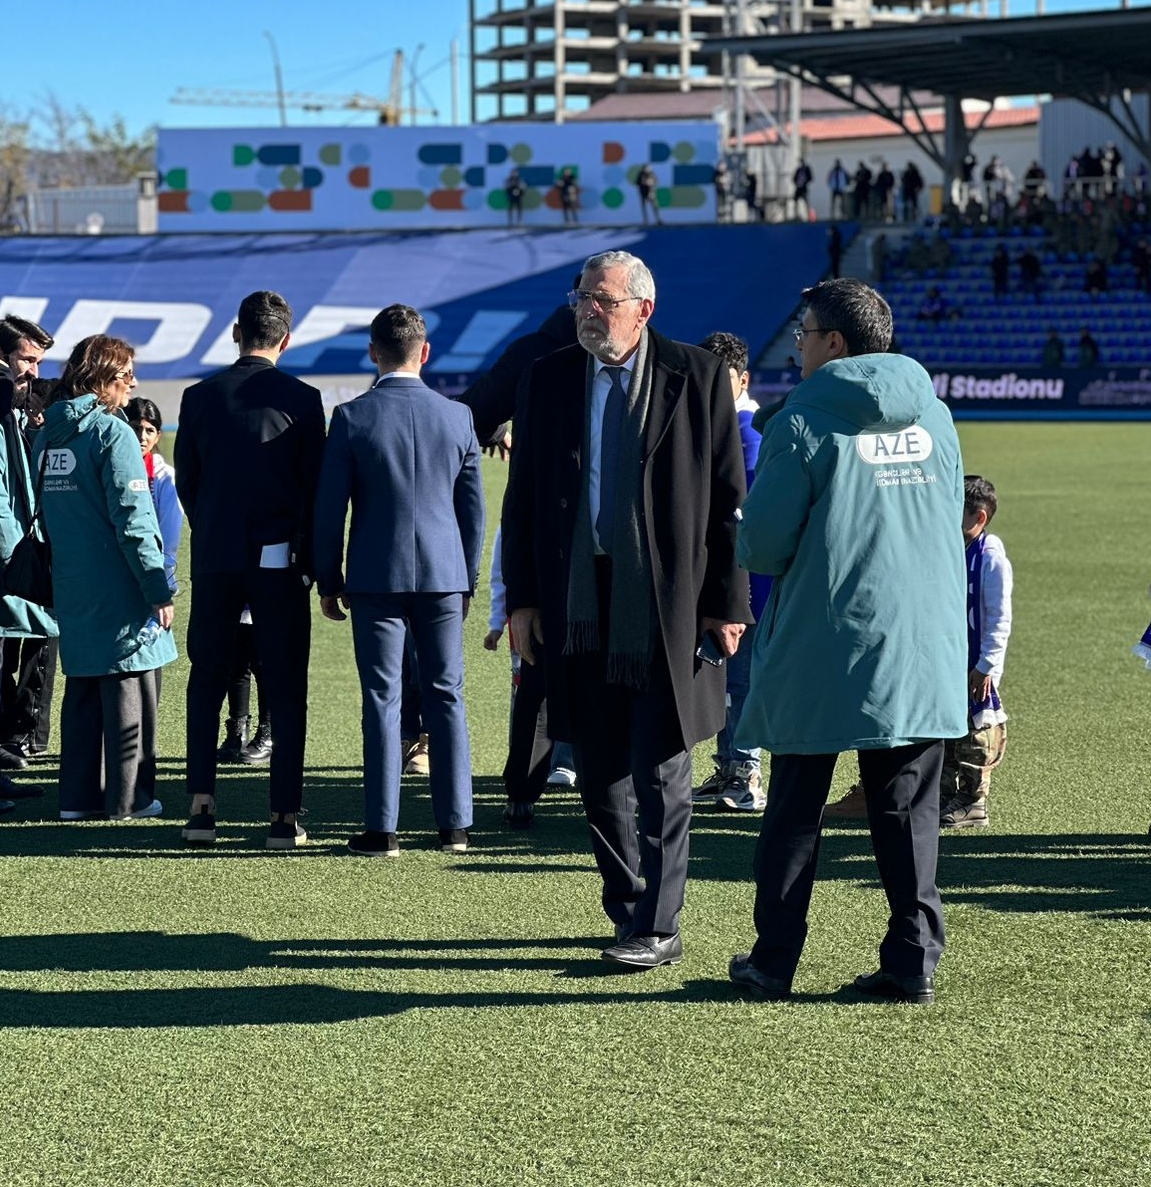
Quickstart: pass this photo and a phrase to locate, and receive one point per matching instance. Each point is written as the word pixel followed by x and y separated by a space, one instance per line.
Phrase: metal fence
pixel 86 210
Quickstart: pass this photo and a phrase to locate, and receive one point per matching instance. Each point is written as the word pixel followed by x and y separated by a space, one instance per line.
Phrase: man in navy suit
pixel 407 460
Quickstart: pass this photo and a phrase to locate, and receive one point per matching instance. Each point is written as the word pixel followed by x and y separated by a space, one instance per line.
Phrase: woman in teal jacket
pixel 113 604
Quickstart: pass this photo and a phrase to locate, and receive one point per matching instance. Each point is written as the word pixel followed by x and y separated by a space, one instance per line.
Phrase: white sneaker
pixel 743 791
pixel 155 808
pixel 562 777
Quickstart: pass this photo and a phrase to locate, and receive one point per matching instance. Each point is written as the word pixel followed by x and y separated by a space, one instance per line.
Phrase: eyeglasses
pixel 127 376
pixel 601 301
pixel 800 332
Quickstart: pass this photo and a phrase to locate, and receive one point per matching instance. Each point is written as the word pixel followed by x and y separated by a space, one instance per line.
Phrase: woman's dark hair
pixel 92 366
pixel 141 408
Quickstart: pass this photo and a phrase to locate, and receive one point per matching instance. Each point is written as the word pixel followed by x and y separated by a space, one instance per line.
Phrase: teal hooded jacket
pixel 107 555
pixel 18 618
pixel 856 510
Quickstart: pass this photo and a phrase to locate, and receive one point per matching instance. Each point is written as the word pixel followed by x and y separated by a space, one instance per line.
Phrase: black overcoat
pixel 693 485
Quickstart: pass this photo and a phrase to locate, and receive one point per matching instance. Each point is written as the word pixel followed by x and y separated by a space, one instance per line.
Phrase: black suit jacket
pixel 247 459
pixel 693 485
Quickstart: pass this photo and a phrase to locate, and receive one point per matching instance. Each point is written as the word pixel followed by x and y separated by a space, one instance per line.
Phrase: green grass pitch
pixel 233 1017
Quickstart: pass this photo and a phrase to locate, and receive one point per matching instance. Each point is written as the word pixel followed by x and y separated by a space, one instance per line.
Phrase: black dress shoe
pixel 760 985
pixel 519 814
pixel 11 759
pixel 916 991
pixel 646 952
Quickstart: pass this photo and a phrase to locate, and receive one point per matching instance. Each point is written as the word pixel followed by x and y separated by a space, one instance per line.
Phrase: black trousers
pixel 529 748
pixel 245 668
pixel 630 760
pixel 27 676
pixel 902 791
pixel 282 622
pixel 108 742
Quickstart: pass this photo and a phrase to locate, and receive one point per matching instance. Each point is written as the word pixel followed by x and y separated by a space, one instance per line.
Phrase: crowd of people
pixel 646 527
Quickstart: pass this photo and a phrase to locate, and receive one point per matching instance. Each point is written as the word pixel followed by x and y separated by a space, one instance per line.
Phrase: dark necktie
pixel 609 454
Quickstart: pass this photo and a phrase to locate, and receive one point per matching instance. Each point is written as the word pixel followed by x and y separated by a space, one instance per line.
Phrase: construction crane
pixel 390 111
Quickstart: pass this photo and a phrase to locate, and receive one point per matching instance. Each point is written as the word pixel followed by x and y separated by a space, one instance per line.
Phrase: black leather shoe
pixel 11 760
pixel 760 985
pixel 519 814
pixel 646 952
pixel 374 843
pixel 915 991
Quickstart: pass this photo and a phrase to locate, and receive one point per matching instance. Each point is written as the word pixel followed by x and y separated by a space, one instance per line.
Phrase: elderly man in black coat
pixel 619 561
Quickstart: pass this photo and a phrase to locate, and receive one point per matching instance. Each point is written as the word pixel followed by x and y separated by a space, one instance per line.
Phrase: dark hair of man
pixel 979 495
pixel 856 310
pixel 265 319
pixel 141 408
pixel 13 329
pixel 92 366
pixel 398 332
pixel 731 349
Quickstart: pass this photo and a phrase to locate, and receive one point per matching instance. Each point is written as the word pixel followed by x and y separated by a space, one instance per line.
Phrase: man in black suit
pixel 247 458
pixel 619 557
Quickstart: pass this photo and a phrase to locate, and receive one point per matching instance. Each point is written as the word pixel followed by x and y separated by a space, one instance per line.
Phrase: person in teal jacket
pixel 855 510
pixel 112 598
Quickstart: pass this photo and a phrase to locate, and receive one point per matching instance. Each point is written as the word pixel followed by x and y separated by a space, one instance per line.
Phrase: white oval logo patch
pixel 913 444
pixel 60 461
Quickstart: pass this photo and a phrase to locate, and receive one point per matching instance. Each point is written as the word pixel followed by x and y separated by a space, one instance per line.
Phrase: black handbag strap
pixel 38 506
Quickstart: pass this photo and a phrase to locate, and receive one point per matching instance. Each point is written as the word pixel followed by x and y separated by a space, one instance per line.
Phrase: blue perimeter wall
pixel 479 289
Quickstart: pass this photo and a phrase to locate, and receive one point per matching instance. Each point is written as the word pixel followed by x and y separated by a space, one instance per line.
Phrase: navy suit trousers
pixel 379 623
pixel 901 786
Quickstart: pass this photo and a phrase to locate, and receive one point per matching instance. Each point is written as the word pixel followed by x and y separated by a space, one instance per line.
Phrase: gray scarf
pixel 632 626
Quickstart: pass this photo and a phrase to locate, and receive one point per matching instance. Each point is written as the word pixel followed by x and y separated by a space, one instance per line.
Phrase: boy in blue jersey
pixel 735 784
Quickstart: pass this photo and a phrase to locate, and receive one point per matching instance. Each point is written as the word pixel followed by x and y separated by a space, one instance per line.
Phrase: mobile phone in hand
pixel 709 650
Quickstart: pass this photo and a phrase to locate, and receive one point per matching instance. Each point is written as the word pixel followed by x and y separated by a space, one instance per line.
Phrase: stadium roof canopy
pixel 1096 57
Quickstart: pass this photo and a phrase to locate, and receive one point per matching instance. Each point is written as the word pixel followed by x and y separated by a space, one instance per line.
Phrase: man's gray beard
pixel 599 343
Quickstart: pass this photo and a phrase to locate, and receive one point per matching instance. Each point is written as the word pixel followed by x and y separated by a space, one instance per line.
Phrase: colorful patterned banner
pixel 353 179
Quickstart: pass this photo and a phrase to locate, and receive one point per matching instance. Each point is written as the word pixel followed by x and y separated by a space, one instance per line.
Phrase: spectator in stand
pixel 837 182
pixel 961 191
pixel 802 179
pixel 568 188
pixel 1088 350
pixel 1111 163
pixel 878 257
pixel 884 185
pixel 1054 352
pixel 939 252
pixel 1141 258
pixel 935 307
pixel 721 179
pixel 1000 266
pixel 910 187
pixel 861 193
pixel 645 183
pixel 1035 180
pixel 1030 273
pixel 751 196
pixel 514 190
pixel 1095 278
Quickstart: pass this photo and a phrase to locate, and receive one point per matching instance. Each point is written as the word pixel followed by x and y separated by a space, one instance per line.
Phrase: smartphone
pixel 709 650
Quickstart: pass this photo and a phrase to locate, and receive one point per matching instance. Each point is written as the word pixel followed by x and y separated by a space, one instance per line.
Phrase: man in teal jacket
pixel 855 510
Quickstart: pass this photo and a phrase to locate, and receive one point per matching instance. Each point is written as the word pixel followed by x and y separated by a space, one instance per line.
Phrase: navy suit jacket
pixel 407 460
